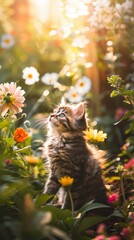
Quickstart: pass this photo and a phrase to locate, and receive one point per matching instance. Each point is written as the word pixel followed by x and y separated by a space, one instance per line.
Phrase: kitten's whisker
pixel 39 123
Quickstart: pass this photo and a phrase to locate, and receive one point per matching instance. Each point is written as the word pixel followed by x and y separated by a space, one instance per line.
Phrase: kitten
pixel 69 154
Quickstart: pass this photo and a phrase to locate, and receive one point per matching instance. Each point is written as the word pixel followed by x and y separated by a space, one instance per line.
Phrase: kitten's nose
pixel 53 115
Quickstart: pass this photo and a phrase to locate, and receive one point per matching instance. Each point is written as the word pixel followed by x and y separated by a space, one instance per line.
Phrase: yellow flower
pixel 31 159
pixel 94 135
pixel 119 169
pixel 66 181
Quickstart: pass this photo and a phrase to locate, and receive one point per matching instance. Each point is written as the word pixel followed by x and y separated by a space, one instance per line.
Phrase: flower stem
pixel 71 200
pixel 122 189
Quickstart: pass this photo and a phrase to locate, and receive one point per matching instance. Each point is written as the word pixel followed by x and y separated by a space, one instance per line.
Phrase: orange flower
pixel 20 135
pixel 31 159
pixel 66 181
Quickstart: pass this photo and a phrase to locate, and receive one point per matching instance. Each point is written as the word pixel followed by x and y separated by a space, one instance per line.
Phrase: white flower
pixel 7 40
pixel 83 85
pixel 31 75
pixel 101 4
pixel 124 7
pixel 73 96
pixel 49 78
pixel 80 42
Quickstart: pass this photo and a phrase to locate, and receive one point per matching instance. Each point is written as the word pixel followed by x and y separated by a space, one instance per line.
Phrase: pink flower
pixel 126 232
pixel 130 164
pixel 119 113
pixel 113 198
pixel 101 228
pixel 11 98
pixel 114 237
pixel 100 237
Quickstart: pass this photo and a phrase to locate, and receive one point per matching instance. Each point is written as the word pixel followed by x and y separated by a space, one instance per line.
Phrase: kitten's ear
pixel 79 111
pixel 63 101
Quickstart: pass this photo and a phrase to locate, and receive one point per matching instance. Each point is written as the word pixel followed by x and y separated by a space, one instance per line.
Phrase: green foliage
pixel 121 89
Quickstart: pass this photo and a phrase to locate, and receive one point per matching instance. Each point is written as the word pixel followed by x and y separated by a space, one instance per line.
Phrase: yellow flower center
pixel 30 75
pixel 81 84
pixel 74 95
pixel 7 98
pixel 7 40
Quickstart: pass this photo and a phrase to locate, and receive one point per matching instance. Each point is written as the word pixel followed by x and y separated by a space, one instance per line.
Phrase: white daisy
pixel 7 41
pixel 50 78
pixel 83 85
pixel 31 75
pixel 73 96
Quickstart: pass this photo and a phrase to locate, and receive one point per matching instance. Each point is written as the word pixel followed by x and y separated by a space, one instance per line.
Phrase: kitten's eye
pixel 61 115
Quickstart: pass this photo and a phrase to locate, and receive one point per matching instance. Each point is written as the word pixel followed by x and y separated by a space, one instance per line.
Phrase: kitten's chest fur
pixel 68 155
pixel 64 147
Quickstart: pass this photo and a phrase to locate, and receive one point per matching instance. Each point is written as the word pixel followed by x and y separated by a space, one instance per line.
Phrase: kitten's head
pixel 67 118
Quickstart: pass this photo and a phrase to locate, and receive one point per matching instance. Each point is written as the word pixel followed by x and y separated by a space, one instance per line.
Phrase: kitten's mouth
pixel 53 120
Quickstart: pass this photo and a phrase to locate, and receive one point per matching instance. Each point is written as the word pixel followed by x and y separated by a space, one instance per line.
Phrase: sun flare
pixel 45 10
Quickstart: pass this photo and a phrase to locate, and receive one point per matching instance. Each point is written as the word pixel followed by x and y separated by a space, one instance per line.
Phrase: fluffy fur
pixel 69 154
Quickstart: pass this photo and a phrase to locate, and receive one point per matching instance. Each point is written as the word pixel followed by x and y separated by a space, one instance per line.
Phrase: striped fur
pixel 69 154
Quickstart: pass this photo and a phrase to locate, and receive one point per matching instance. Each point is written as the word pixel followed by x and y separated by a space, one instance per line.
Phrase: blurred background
pixel 72 47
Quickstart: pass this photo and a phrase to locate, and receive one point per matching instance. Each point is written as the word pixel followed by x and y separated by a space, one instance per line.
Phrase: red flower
pixel 20 135
pixel 113 198
pixel 8 161
pixel 130 164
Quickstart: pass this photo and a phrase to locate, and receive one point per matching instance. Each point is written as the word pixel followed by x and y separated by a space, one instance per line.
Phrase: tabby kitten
pixel 69 154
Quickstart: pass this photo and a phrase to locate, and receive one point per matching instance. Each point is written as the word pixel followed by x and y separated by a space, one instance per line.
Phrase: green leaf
pixel 42 199
pixel 114 93
pixel 88 222
pixel 91 206
pixel 69 223
pixel 23 150
pixel 10 141
pixel 115 81
pixel 85 238
pixel 4 123
pixel 127 92
pixel 116 213
pixel 58 212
